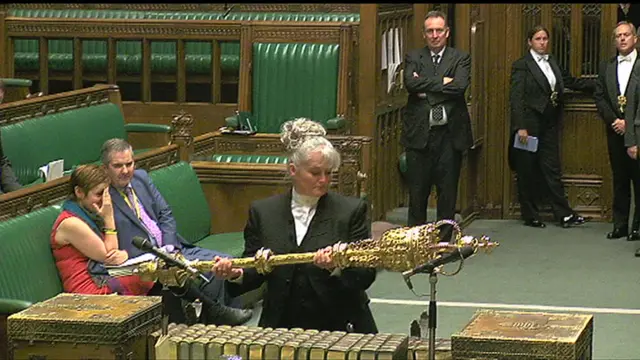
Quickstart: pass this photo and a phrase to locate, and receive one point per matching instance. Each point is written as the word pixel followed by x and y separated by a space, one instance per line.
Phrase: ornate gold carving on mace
pixel 398 250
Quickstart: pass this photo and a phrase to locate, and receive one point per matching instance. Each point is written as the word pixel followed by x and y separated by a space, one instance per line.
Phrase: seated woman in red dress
pixel 84 239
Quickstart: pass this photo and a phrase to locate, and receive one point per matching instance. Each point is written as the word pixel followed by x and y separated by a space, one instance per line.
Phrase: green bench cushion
pixel 27 269
pixel 228 243
pixel 253 159
pixel 75 136
pixel 293 80
pixel 163 53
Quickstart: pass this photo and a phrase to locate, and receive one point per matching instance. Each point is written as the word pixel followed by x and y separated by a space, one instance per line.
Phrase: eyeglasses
pixel 434 31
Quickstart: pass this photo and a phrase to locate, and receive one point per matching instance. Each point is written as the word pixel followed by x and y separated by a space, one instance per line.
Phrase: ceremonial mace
pixel 407 249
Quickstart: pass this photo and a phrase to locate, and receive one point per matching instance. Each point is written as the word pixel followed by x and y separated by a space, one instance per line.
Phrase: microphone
pixel 146 246
pixel 457 254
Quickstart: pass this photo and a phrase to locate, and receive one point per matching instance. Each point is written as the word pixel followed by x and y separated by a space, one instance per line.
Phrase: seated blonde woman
pixel 84 239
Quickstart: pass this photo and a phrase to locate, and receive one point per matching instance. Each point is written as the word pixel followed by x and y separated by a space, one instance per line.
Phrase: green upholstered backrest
pixel 27 268
pixel 75 136
pixel 293 80
pixel 163 54
pixel 251 159
pixel 180 187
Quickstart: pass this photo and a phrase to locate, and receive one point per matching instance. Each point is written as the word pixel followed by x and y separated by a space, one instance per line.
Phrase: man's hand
pixel 116 257
pixel 446 80
pixel 415 75
pixel 618 126
pixel 523 135
pixel 222 269
pixel 632 151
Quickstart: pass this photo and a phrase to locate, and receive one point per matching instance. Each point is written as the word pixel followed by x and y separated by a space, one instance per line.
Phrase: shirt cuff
pixel 237 280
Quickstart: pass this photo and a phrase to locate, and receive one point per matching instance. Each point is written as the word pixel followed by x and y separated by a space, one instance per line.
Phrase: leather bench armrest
pixel 147 128
pixel 12 306
pixel 336 123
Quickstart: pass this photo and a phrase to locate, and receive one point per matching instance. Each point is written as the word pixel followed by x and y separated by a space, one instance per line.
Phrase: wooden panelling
pixel 208 117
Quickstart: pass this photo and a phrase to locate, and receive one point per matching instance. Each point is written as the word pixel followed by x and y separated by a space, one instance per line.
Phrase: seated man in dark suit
pixel 140 210
pixel 307 218
pixel 8 180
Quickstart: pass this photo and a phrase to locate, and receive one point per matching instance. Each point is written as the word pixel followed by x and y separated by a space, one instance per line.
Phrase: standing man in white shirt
pixel 536 98
pixel 613 88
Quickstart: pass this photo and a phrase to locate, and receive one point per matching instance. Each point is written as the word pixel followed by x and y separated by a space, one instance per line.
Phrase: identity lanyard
pixel 135 208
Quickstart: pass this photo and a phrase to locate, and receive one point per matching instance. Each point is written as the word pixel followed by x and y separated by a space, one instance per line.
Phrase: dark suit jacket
pixel 530 96
pixel 606 97
pixel 337 218
pixel 128 224
pixel 530 92
pixel 454 64
pixel 8 180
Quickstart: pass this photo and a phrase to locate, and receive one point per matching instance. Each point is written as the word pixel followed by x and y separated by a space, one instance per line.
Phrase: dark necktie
pixel 437 114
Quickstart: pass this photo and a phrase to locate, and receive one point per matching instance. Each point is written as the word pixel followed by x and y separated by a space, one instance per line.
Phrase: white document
pixel 52 170
pixel 396 46
pixel 134 261
pixel 383 50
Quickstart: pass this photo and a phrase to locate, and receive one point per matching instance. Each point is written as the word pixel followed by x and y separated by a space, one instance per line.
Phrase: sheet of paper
pixel 133 261
pixel 53 170
pixel 391 75
pixel 530 145
pixel 396 46
pixel 383 51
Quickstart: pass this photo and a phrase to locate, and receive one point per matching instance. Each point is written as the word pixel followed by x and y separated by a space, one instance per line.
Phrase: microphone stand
pixel 433 280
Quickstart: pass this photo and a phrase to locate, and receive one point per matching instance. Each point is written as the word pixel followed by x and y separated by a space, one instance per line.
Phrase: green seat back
pixel 27 270
pixel 129 52
pixel 252 159
pixel 75 136
pixel 293 80
pixel 180 187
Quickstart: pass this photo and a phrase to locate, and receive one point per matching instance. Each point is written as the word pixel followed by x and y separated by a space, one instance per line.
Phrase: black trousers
pixel 625 172
pixel 438 164
pixel 539 175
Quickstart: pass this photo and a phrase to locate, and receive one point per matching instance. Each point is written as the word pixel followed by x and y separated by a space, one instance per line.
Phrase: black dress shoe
pixel 573 219
pixel 535 223
pixel 226 315
pixel 617 233
pixel 634 236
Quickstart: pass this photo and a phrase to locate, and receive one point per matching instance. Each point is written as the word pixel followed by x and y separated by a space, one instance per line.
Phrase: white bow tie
pixel 543 57
pixel 624 58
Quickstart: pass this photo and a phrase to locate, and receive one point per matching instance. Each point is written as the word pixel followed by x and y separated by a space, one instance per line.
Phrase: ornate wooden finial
pixel 182 125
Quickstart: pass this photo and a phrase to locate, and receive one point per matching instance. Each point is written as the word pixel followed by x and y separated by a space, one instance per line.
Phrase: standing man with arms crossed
pixel 436 124
pixel 613 87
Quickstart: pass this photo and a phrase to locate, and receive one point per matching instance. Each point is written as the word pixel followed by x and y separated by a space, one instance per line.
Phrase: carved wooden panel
pixel 39 106
pixel 584 160
pixel 313 8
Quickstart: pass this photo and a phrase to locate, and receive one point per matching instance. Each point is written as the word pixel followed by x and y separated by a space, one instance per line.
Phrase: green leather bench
pixel 180 187
pixel 309 89
pixel 163 53
pixel 75 135
pixel 28 273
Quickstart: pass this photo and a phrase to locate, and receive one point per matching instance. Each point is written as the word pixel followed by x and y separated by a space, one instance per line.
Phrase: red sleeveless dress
pixel 72 266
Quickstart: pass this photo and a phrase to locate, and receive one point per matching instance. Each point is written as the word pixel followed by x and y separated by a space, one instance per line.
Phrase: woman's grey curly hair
pixel 303 136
